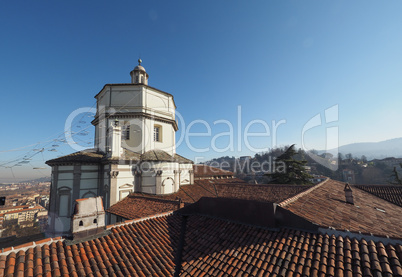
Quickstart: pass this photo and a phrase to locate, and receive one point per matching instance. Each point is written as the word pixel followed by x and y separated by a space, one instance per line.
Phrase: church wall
pixel 167 140
pixel 114 181
pixel 134 143
pixel 68 184
pixel 90 167
pixel 101 134
pixel 66 167
pixel 106 186
pixel 148 180
pixel 157 101
pixel 126 97
pixel 167 184
pixel 185 175
pixel 164 183
pixel 89 184
pixel 103 100
pixel 123 183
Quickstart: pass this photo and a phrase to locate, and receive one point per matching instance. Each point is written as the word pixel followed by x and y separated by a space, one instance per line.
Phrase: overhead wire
pixel 67 134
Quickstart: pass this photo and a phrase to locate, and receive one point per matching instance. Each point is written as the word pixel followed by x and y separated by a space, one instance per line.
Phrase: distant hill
pixel 39 180
pixel 372 150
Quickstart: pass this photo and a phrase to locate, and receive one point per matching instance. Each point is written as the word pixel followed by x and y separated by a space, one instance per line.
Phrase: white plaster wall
pixel 103 99
pixel 126 97
pixel 156 100
pixel 148 182
pixel 168 137
pixel 125 181
pixel 167 184
pixel 185 177
pixel 101 135
pixel 138 99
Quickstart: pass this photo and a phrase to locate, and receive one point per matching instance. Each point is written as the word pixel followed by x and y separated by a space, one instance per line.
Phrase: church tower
pixel 134 151
pixel 146 116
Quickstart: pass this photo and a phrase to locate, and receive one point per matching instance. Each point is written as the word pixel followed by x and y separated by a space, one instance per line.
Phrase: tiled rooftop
pixel 201 170
pixel 92 156
pixel 133 206
pixel 142 249
pixel 392 194
pixel 213 247
pixel 325 205
pixel 85 156
pixel 218 248
pixel 160 155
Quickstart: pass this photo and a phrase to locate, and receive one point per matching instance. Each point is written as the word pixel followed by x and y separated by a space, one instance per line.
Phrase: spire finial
pixel 139 61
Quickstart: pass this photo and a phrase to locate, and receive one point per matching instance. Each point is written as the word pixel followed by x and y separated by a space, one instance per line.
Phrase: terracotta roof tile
pixel 212 247
pixel 85 156
pixel 392 194
pixel 93 156
pixel 135 206
pixel 325 205
pixel 202 171
pixel 138 205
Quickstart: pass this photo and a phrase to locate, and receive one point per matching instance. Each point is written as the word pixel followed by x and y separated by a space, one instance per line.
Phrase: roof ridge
pixel 154 198
pixel 26 246
pixel 301 194
pixel 132 221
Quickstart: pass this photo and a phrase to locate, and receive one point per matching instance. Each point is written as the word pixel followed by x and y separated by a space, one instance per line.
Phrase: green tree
pixel 288 170
pixel 396 179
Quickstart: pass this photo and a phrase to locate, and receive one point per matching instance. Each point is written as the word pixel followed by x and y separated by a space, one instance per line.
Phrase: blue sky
pixel 277 60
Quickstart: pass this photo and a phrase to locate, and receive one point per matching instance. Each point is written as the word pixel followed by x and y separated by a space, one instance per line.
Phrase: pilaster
pixel 113 173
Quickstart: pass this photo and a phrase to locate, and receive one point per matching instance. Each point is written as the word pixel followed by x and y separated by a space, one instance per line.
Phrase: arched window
pixel 81 223
pixel 95 221
pixel 88 194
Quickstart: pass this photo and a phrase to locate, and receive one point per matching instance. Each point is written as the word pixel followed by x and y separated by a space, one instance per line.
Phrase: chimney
pixel 88 218
pixel 348 194
pixel 181 204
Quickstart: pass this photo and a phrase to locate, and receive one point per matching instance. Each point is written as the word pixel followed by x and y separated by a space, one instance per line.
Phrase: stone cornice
pixel 137 115
pixel 137 85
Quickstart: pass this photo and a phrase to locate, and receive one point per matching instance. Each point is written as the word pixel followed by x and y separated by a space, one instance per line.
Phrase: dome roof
pixel 140 68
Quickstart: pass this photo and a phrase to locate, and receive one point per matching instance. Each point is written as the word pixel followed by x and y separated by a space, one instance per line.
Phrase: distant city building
pixel 134 151
pixel 21 215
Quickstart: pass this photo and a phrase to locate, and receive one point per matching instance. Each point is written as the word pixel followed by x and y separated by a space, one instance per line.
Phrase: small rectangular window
pixel 157 133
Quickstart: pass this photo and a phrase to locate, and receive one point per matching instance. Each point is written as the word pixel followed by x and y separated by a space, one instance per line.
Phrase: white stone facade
pixel 134 152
